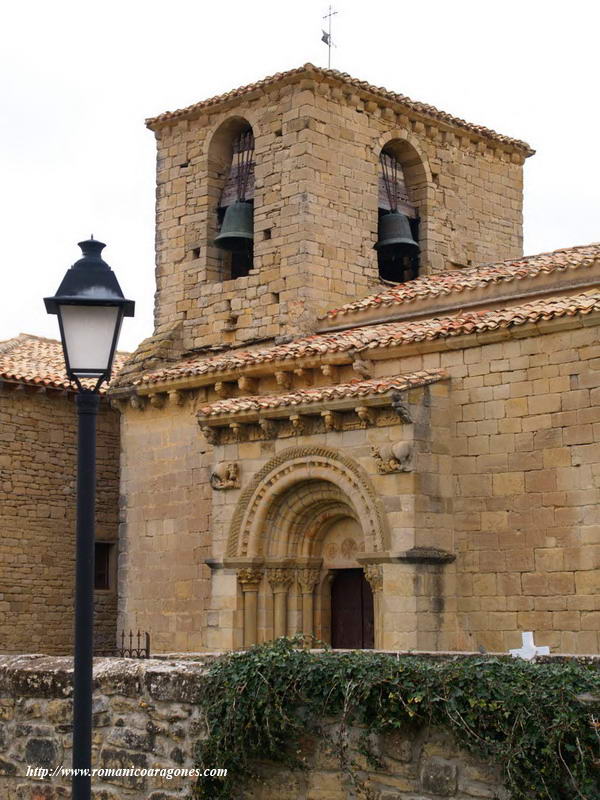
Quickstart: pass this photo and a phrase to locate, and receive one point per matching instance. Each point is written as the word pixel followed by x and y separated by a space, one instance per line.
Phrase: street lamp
pixel 90 308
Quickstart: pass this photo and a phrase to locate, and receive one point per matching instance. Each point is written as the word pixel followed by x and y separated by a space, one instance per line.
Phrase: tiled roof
pixel 37 361
pixel 383 335
pixel 464 280
pixel 354 389
pixel 316 72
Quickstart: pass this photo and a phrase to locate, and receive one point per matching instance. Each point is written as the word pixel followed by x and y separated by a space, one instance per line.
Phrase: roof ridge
pixel 450 280
pixel 368 337
pixel 414 105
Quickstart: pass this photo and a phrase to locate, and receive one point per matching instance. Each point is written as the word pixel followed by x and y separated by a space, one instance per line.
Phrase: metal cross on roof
pixel 326 37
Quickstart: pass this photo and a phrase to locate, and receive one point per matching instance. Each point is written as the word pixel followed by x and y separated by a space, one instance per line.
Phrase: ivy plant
pixel 525 717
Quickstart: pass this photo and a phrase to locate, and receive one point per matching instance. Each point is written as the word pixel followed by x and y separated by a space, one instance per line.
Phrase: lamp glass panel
pixel 89 332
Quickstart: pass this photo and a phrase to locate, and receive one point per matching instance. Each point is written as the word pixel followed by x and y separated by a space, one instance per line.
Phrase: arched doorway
pixel 308 515
pixel 352 619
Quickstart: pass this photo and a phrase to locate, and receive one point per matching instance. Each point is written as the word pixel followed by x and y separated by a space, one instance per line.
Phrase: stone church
pixel 363 414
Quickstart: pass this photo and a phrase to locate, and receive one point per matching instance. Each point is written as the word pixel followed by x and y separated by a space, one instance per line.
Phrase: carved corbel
pixel 157 400
pixel 401 408
pixel 223 389
pixel 284 379
pixel 248 385
pixel 374 576
pixel 305 375
pixel 237 429
pixel 332 420
pixel 210 434
pixel 362 366
pixel 176 397
pixel 225 475
pixel 298 423
pixel 329 370
pixel 365 415
pixel 268 427
pixel 137 402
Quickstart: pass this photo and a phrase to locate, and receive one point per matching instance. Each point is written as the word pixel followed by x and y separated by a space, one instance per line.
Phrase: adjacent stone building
pixel 38 448
pixel 312 442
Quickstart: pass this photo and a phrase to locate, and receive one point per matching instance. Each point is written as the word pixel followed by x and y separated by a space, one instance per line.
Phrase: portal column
pixel 374 577
pixel 307 578
pixel 280 581
pixel 249 579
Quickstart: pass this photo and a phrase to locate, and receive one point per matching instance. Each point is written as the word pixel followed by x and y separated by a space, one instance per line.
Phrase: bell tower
pixel 308 189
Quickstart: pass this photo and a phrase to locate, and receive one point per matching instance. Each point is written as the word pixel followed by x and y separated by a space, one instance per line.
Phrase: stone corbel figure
pixel 225 475
pixel 395 457
pixel 401 407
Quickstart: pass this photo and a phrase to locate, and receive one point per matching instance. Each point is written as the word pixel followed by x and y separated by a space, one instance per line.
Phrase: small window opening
pixel 275 297
pixel 102 554
pixel 184 164
pixel 398 224
pixel 279 132
pixel 196 252
pixel 267 233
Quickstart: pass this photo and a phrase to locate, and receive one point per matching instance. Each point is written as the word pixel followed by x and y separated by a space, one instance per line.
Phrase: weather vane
pixel 326 37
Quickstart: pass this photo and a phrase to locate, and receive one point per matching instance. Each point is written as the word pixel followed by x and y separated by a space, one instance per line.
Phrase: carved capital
pixel 374 576
pixel 395 457
pixel 307 579
pixel 280 579
pixel 225 475
pixel 249 578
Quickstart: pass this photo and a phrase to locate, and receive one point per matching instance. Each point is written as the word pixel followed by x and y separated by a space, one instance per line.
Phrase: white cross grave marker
pixel 529 650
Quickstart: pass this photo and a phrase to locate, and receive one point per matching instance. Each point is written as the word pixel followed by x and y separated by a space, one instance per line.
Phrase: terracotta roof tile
pixel 357 389
pixel 37 361
pixel 383 335
pixel 421 108
pixel 464 280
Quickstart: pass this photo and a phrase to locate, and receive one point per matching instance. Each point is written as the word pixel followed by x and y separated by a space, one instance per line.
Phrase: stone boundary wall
pixel 148 714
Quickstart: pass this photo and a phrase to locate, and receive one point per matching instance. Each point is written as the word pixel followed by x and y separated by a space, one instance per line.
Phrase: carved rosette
pixel 374 576
pixel 307 578
pixel 280 579
pixel 249 578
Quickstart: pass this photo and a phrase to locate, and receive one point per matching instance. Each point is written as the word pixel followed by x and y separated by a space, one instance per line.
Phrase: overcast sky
pixel 79 78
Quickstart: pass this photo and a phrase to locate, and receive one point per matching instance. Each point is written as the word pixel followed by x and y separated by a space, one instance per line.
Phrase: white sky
pixel 78 78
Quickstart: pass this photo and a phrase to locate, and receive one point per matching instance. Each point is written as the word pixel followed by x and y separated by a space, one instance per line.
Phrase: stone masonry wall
pixel 148 715
pixel 164 532
pixel 317 150
pixel 38 442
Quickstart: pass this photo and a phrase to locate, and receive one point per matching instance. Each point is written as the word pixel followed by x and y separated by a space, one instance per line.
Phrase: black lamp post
pixel 90 308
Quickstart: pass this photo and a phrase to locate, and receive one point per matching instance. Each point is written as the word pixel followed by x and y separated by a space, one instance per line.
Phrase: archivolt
pixel 257 510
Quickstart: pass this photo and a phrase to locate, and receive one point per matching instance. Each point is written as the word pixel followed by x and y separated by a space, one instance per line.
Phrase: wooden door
pixel 352 624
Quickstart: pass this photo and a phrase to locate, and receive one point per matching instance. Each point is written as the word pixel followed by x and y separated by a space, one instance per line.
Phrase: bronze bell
pixel 395 235
pixel 237 230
